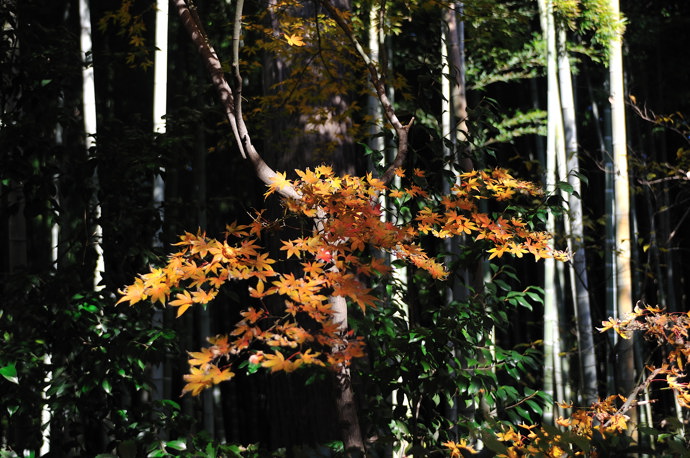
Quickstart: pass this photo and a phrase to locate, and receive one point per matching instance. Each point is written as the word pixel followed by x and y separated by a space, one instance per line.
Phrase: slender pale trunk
pixel 455 44
pixel 554 142
pixel 89 113
pixel 160 89
pixel 578 270
pixel 160 86
pixel 622 205
pixel 345 402
pixel 374 110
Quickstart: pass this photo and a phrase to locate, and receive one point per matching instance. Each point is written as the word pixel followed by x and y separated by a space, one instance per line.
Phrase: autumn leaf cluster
pixel 574 435
pixel 669 331
pixel 289 322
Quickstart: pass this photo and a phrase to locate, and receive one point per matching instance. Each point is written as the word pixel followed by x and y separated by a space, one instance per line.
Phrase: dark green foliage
pixel 436 357
pixel 84 361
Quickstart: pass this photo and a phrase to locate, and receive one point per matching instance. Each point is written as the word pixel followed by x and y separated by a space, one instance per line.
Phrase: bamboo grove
pixel 343 228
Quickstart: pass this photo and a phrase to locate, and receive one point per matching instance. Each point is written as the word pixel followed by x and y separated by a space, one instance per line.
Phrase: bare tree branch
pixel 632 398
pixel 231 100
pixel 400 129
pixel 648 115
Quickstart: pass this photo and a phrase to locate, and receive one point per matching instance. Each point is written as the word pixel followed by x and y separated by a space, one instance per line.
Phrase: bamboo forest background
pixel 113 142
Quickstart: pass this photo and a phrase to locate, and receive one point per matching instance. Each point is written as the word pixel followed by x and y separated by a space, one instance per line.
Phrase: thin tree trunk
pixel 455 128
pixel 552 367
pixel 610 272
pixel 89 113
pixel 578 270
pixel 346 405
pixel 377 142
pixel 624 300
pixel 160 89
pixel 456 63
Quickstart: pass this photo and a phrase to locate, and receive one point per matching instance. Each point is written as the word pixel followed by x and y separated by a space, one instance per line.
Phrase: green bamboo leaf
pixel 10 373
pixel 179 444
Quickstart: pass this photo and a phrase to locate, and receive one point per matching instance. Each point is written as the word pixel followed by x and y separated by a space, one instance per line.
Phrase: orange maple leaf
pixel 275 362
pixel 311 358
pixel 238 230
pixel 252 315
pixel 134 292
pixel 259 292
pixel 184 301
pixel 497 251
pixel 291 248
pixel 263 263
pixel 199 379
pixel 312 268
pixel 204 297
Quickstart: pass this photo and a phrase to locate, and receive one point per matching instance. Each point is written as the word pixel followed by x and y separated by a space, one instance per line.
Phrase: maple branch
pixel 230 100
pixel 631 400
pixel 648 115
pixel 402 131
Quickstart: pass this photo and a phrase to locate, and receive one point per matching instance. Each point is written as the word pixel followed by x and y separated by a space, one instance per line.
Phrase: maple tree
pixel 297 328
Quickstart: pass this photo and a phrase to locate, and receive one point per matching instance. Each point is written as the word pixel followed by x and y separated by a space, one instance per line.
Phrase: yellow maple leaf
pixel 197 381
pixel 294 40
pixel 278 181
pixel 308 176
pixel 201 358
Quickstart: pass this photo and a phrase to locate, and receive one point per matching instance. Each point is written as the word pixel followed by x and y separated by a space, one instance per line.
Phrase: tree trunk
pixel 552 360
pixel 160 89
pixel 90 128
pixel 346 405
pixel 578 270
pixel 622 206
